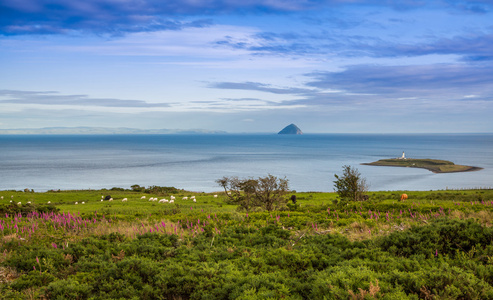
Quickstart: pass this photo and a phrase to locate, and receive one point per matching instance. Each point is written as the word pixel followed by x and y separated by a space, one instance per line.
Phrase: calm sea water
pixel 194 162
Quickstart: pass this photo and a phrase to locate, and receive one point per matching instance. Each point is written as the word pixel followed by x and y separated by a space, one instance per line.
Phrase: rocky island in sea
pixel 291 129
pixel 433 165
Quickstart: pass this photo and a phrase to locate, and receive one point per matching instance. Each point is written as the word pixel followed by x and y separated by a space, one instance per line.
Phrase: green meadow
pixel 72 245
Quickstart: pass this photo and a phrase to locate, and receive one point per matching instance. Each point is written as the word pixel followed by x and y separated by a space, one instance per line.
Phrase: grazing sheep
pixel 143 197
pixel 76 203
pixel 19 203
pixel 83 202
pixel 184 198
pixel 49 202
pixel 193 197
pixel 171 201
pixel 2 197
pixel 28 202
pixel 102 200
pixel 12 197
pixel 215 196
pixel 194 200
pixel 163 201
pixel 172 197
pixel 111 199
pixel 124 200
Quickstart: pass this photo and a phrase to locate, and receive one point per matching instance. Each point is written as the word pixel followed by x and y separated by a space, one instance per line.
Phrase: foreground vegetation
pixel 435 245
pixel 434 165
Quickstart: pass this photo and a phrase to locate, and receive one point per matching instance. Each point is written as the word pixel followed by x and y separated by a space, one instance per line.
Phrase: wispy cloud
pixel 257 86
pixel 427 86
pixel 54 98
pixel 436 81
pixel 468 46
pixel 473 47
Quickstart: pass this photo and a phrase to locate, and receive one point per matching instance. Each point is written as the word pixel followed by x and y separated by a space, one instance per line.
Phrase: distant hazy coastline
pixel 102 131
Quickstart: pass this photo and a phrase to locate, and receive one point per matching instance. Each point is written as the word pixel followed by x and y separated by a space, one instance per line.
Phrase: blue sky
pixel 248 66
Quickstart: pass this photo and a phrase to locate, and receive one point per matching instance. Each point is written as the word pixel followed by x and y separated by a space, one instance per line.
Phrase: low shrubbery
pixel 365 250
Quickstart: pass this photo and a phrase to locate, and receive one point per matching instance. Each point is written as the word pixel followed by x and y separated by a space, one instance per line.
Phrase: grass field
pixel 435 245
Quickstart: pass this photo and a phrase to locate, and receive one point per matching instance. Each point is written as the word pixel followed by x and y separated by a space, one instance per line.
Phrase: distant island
pixel 433 165
pixel 291 129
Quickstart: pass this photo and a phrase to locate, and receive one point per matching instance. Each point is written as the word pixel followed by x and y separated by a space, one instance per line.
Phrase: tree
pixel 351 185
pixel 137 188
pixel 265 192
pixel 239 192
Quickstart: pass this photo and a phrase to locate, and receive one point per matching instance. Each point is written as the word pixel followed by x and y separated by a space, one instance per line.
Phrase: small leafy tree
pixel 351 185
pixel 137 188
pixel 239 191
pixel 265 192
pixel 270 192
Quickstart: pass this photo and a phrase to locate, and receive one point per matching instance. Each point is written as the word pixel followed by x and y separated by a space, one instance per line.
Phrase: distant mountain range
pixel 104 130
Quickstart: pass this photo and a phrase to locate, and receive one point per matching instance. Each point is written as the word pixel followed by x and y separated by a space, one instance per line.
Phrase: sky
pixel 248 66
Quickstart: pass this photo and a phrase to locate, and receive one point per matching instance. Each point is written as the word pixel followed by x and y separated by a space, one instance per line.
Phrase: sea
pixel 194 162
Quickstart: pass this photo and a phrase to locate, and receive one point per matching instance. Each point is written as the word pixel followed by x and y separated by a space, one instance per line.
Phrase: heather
pixel 435 245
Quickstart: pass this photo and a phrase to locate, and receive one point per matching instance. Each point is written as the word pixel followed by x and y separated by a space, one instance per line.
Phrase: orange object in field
pixel 403 197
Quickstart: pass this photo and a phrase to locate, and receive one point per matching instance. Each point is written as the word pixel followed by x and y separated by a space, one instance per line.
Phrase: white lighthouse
pixel 403 155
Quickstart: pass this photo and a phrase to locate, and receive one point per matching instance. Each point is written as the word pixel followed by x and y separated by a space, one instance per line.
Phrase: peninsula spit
pixel 433 165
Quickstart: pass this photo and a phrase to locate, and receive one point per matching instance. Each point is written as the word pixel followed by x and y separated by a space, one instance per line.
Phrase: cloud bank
pixel 119 17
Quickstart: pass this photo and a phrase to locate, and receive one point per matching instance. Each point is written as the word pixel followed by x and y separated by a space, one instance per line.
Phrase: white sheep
pixel 143 197
pixel 49 202
pixel 124 200
pixel 28 202
pixel 172 197
pixel 171 201
pixel 83 202
pixel 111 199
pixel 76 203
pixel 184 198
pixel 193 197
pixel 163 201
pixel 2 197
pixel 215 196
pixel 194 200
pixel 102 200
pixel 19 203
